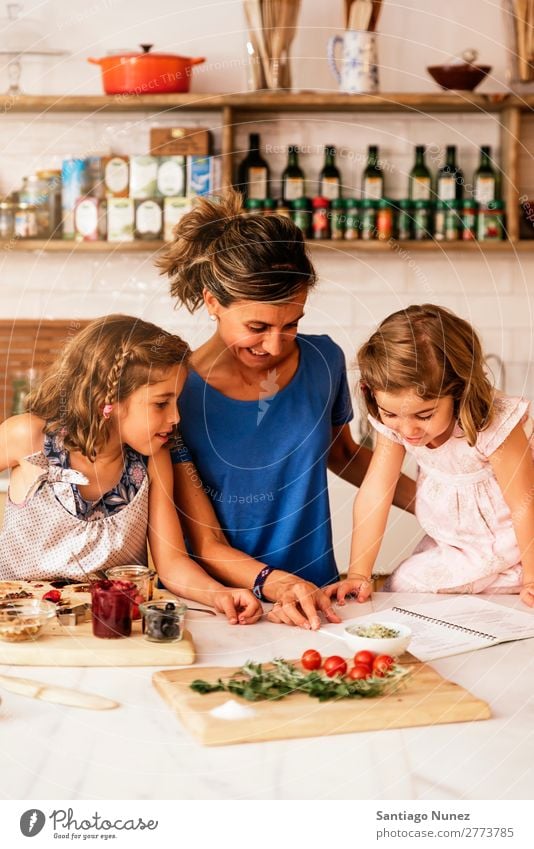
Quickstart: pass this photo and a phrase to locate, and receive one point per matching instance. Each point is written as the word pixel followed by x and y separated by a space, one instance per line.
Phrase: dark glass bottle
pixel 253 172
pixel 485 179
pixel 450 182
pixel 373 178
pixel 420 180
pixel 292 176
pixel 330 178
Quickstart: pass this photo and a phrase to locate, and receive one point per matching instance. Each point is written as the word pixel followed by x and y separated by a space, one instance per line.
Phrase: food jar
pixel 36 192
pixel 52 179
pixel 320 223
pixel 111 608
pixel 7 219
pixel 163 620
pixel 269 206
pixel 368 219
pixel 141 576
pixel 490 224
pixel 405 220
pixel 253 206
pixel 25 221
pixel 282 208
pixel 301 215
pixel 422 219
pixel 469 219
pixel 439 220
pixel 352 219
pixel 337 219
pixel 384 220
pixel 452 220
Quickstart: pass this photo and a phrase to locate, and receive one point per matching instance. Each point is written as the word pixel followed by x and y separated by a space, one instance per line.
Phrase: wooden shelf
pixel 338 245
pixel 268 101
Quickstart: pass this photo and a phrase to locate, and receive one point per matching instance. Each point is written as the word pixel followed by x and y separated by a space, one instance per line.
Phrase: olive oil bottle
pixel 450 181
pixel 485 179
pixel 292 176
pixel 330 178
pixel 373 178
pixel 420 180
pixel 253 172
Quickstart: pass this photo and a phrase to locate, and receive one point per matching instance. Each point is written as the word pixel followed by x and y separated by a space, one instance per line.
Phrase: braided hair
pixel 102 365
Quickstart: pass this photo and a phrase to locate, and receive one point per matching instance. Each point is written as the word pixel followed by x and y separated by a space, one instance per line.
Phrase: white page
pixel 431 640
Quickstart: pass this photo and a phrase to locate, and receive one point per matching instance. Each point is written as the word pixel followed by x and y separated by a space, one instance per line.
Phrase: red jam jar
pixel 141 576
pixel 111 608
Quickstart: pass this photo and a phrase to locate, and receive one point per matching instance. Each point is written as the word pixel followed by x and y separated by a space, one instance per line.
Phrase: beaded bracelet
pixel 259 581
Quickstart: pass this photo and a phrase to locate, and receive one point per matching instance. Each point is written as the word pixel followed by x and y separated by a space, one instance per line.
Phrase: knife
pixel 57 695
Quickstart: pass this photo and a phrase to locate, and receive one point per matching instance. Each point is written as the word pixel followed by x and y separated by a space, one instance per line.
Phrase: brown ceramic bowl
pixel 464 77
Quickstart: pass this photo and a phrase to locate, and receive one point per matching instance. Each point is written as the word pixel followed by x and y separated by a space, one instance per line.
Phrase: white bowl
pixel 393 646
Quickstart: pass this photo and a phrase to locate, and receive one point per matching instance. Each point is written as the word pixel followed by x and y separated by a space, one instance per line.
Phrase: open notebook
pixel 453 626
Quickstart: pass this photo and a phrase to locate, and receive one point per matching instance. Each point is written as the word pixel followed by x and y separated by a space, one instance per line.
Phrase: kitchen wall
pixel 356 290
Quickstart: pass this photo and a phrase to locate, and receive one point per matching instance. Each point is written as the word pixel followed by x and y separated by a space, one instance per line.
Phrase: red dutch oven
pixel 146 72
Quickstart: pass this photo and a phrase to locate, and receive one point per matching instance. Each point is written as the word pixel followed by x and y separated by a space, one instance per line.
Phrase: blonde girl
pixel 427 394
pixel 91 476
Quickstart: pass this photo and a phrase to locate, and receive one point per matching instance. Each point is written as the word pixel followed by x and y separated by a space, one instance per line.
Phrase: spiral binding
pixel 450 625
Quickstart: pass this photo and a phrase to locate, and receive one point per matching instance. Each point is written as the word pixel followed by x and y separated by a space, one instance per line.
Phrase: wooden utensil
pixel 375 14
pixel 360 14
pixel 57 695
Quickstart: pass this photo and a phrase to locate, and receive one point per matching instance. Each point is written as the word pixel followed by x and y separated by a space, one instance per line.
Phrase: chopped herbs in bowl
pixel 383 637
pixel 373 631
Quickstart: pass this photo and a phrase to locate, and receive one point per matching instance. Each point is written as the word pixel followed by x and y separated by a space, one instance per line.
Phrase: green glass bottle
pixel 450 181
pixel 253 172
pixel 485 179
pixel 373 178
pixel 330 178
pixel 420 180
pixel 292 176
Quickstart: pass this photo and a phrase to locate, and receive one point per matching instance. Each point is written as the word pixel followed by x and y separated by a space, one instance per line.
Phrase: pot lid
pixel 146 50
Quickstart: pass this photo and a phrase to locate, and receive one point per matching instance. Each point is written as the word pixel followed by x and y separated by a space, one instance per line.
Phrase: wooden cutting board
pixel 424 699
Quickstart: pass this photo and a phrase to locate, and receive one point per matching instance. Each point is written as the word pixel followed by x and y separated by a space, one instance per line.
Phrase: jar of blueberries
pixel 163 620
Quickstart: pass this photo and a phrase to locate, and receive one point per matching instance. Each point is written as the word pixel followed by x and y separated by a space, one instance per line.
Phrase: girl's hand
pixel 526 594
pixel 357 586
pixel 300 603
pixel 241 607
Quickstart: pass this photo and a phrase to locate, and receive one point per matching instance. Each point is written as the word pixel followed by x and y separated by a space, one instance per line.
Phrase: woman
pixel 265 411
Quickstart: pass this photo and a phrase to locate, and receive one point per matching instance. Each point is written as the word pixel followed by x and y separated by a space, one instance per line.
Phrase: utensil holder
pixel 359 68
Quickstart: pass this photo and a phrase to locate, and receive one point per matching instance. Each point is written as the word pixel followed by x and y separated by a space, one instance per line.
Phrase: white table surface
pixel 140 751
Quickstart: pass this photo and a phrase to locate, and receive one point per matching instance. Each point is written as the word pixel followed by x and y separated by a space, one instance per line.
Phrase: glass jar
pixel 352 219
pixel 422 219
pixel 490 224
pixel 25 221
pixel 52 178
pixel 405 220
pixel 36 192
pixel 7 219
pixel 253 206
pixel 269 206
pixel 320 223
pixel 469 219
pixel 439 220
pixel 163 620
pixel 368 219
pixel 452 220
pixel 141 576
pixel 111 608
pixel 337 219
pixel 282 208
pixel 384 220
pixel 301 215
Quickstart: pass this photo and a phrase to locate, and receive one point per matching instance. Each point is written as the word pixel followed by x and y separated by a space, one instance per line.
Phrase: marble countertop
pixel 140 750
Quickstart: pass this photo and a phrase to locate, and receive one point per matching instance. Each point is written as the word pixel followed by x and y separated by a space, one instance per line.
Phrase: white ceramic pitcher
pixel 359 68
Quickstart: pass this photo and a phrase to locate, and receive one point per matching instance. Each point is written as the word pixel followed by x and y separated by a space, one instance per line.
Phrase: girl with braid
pixel 91 476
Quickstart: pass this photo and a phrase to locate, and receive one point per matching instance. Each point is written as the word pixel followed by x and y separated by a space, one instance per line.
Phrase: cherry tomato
pixel 365 657
pixel 382 664
pixel 335 665
pixel 311 659
pixel 52 595
pixel 360 670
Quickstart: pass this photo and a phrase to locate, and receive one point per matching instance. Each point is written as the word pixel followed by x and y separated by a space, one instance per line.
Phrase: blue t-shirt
pixel 263 463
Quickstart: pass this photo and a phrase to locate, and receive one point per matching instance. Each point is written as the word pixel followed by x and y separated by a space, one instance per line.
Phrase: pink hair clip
pixel 106 412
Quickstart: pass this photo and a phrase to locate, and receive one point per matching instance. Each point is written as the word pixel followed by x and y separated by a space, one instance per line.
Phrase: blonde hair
pixel 434 352
pixel 235 256
pixel 102 364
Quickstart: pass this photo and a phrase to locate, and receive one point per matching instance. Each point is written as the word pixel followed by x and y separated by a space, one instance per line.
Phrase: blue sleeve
pixel 179 450
pixel 342 411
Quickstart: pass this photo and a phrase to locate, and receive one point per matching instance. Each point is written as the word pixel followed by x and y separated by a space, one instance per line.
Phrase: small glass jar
pixel 36 191
pixel 422 219
pixel 141 576
pixel 368 219
pixel 25 221
pixel 111 608
pixel 282 208
pixel 384 220
pixel 405 220
pixel 469 219
pixel 301 215
pixel 320 222
pixel 352 219
pixel 7 219
pixel 269 206
pixel 490 224
pixel 439 220
pixel 253 206
pixel 452 220
pixel 163 620
pixel 337 219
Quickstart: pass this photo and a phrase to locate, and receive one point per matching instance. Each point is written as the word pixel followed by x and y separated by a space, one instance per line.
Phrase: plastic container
pixel 24 619
pixel 111 608
pixel 141 576
pixel 163 620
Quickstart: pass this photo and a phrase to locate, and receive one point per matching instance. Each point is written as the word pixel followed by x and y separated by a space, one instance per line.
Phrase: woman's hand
pixel 526 594
pixel 300 603
pixel 357 586
pixel 241 607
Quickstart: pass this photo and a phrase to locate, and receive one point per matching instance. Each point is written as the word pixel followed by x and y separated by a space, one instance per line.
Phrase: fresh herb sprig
pixel 254 683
